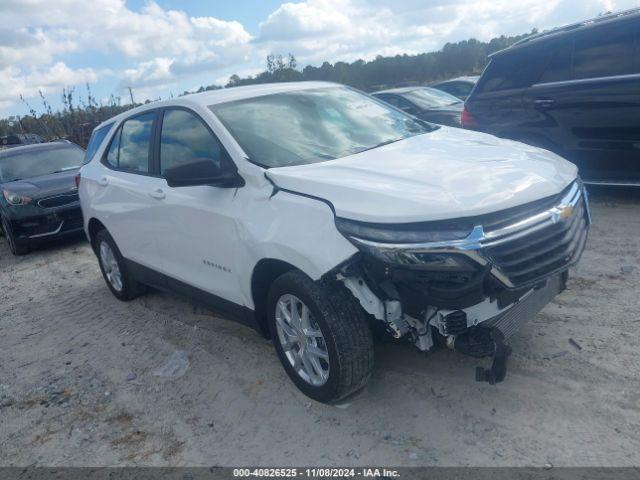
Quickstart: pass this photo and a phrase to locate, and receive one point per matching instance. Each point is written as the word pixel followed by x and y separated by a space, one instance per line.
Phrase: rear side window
pixel 131 145
pixel 97 137
pixel 398 102
pixel 459 89
pixel 559 67
pixel 518 69
pixel 185 139
pixel 604 53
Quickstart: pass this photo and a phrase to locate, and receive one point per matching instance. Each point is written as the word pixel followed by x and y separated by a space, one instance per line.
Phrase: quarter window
pixel 112 153
pixel 185 139
pixel 135 141
pixel 96 139
pixel 518 69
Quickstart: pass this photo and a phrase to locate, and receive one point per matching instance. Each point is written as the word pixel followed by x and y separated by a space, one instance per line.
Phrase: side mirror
pixel 201 172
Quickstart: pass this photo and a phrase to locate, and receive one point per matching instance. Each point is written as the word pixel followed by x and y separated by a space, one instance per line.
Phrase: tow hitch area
pixel 480 342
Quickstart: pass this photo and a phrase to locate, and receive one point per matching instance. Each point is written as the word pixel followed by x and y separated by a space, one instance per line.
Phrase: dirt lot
pixel 88 380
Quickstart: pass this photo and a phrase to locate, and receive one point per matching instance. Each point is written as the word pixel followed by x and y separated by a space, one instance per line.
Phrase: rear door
pixel 588 101
pixel 127 197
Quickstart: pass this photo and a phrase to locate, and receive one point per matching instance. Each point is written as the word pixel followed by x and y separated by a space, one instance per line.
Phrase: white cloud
pixel 160 46
pixel 157 49
pixel 48 81
pixel 316 30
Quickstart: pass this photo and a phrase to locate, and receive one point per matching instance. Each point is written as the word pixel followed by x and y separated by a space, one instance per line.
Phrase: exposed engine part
pixel 482 342
pixel 476 342
pixel 421 332
pixel 452 322
pixel 389 311
pixel 394 318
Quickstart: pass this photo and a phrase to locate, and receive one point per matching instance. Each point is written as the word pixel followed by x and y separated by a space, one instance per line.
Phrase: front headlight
pixel 16 198
pixel 423 232
pixel 400 244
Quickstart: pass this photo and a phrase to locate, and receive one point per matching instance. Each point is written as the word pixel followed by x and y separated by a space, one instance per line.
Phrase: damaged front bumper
pixel 475 291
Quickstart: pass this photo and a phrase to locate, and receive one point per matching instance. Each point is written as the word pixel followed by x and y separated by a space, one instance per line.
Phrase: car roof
pixel 610 18
pixel 9 152
pixel 223 95
pixel 401 89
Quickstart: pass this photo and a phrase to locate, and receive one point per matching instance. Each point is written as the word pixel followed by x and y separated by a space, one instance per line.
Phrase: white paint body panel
pixel 449 173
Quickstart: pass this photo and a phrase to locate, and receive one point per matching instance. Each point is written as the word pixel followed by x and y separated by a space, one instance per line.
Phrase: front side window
pixel 398 102
pixel 427 98
pixel 185 139
pixel 37 162
pixel 604 53
pixel 314 125
pixel 459 89
pixel 130 147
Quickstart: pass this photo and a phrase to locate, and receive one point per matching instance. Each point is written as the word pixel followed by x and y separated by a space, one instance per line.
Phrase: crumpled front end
pixel 468 283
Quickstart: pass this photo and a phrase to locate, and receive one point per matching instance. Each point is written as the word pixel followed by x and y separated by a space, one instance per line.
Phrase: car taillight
pixel 78 180
pixel 468 120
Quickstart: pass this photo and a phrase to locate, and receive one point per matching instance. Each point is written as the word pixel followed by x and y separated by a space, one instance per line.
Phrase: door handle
pixel 103 181
pixel 544 102
pixel 157 193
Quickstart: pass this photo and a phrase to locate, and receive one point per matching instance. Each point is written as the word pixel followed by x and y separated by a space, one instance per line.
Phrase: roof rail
pixel 583 23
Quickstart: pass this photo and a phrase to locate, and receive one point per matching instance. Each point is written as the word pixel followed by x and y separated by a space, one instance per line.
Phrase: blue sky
pixel 167 46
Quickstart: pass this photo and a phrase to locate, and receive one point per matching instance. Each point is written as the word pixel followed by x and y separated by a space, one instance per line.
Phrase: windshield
pixel 34 163
pixel 309 126
pixel 426 98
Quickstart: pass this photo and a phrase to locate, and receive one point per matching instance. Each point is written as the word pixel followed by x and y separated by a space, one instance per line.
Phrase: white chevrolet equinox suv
pixel 324 217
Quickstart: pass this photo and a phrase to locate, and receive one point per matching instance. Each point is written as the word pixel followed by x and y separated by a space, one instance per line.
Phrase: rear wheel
pixel 321 336
pixel 114 269
pixel 16 247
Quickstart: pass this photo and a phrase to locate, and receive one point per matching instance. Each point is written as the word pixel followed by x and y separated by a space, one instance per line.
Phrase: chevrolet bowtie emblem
pixel 561 213
pixel 566 212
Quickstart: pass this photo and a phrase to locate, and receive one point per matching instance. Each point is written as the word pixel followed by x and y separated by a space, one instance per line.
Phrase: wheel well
pixel 95 226
pixel 264 274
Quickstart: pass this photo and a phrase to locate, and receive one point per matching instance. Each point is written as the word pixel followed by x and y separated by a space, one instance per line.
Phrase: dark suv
pixel 573 90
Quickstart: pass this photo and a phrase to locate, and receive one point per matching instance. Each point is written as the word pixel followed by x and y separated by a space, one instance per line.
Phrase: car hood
pixel 45 185
pixel 448 173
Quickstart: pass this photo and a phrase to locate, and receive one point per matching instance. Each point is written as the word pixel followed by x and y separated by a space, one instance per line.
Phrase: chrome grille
pixel 58 200
pixel 522 245
pixel 539 249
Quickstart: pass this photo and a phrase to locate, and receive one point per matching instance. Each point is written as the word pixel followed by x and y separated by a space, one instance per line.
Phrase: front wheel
pixel 16 247
pixel 321 336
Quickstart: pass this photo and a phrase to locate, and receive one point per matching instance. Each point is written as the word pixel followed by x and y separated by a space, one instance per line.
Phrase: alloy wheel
pixel 110 266
pixel 302 340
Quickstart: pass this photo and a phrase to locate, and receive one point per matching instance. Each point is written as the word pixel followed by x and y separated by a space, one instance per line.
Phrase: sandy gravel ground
pixel 88 380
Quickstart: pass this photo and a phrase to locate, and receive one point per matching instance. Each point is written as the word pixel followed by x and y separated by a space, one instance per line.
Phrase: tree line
pixel 80 114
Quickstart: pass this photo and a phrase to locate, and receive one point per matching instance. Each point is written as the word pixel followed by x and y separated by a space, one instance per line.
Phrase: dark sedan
pixel 39 198
pixel 426 103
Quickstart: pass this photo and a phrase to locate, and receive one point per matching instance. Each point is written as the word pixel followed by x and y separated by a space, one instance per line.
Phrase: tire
pixel 346 336
pixel 16 247
pixel 126 288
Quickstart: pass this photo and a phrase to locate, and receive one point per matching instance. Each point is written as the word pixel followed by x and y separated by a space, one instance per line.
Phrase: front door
pixel 198 240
